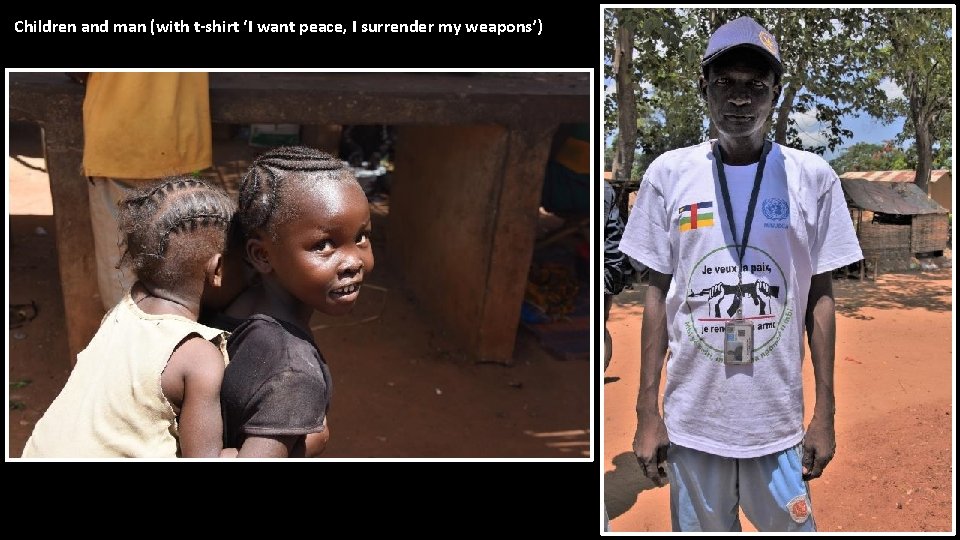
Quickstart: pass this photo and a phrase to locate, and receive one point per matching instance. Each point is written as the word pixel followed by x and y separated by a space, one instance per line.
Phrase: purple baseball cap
pixel 743 32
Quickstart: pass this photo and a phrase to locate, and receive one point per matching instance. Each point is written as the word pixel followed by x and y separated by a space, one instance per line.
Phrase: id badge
pixel 738 342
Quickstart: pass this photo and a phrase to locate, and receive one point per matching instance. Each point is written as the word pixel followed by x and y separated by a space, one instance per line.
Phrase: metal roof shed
pixel 895 221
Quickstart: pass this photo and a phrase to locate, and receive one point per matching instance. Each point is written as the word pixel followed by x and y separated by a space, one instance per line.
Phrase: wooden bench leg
pixel 63 150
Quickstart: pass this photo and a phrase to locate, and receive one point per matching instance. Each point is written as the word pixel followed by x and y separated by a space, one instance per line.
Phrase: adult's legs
pixel 703 491
pixel 773 495
pixel 104 194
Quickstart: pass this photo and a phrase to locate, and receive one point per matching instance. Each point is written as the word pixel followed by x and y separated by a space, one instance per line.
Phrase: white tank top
pixel 113 404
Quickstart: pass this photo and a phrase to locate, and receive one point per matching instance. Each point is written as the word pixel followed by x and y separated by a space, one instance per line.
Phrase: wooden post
pixel 863 263
pixel 463 221
pixel 63 150
pixel 515 228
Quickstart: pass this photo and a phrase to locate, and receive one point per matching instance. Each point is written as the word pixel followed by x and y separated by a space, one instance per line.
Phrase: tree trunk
pixel 921 122
pixel 626 99
pixel 924 154
pixel 797 80
pixel 783 114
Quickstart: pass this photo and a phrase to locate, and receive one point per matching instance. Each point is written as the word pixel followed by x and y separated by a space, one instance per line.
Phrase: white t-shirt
pixel 801 227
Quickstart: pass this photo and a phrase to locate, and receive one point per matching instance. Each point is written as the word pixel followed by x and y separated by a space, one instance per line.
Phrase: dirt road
pixel 894 367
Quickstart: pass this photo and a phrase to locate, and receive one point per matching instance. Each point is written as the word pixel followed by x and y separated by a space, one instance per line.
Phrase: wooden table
pixel 470 156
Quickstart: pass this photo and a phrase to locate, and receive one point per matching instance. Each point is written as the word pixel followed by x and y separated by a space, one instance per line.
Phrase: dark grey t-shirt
pixel 276 383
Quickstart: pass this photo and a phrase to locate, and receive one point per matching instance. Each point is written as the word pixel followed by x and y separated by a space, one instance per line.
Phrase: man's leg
pixel 773 494
pixel 104 195
pixel 703 491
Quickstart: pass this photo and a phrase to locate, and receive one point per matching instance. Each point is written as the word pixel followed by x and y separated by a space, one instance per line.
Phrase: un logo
pixel 768 42
pixel 776 209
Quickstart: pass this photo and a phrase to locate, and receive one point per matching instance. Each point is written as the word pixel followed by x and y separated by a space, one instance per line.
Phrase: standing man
pixel 137 127
pixel 740 235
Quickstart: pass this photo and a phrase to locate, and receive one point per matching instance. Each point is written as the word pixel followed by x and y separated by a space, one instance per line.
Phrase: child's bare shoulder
pixel 197 356
pixel 195 367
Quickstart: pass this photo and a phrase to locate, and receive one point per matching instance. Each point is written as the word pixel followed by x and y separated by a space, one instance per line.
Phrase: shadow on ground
pixel 623 484
pixel 926 290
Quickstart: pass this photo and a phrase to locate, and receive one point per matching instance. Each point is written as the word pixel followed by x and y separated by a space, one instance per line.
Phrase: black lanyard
pixel 741 247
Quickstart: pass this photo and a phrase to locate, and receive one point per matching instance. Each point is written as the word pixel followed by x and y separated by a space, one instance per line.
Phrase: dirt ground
pixel 401 388
pixel 894 367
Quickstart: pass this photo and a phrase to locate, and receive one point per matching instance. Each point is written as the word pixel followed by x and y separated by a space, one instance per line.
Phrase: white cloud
pixel 805 120
pixel 808 127
pixel 891 88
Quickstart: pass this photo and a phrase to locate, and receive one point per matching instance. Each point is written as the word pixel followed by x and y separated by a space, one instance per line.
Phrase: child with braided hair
pixel 148 384
pixel 306 224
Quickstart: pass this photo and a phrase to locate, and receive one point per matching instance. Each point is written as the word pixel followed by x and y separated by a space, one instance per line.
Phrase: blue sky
pixel 865 129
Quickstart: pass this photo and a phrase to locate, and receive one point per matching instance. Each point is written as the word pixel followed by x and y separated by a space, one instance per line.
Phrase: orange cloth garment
pixel 146 125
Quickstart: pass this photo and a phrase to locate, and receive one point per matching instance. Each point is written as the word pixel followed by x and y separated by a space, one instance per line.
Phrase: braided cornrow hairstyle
pixel 174 226
pixel 274 180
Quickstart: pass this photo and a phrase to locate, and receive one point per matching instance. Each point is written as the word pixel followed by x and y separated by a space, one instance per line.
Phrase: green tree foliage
pixel 640 161
pixel 825 54
pixel 826 71
pixel 670 113
pixel 914 50
pixel 872 157
pixel 943 157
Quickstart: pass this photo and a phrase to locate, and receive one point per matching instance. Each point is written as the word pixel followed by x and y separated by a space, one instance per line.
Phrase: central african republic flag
pixel 696 216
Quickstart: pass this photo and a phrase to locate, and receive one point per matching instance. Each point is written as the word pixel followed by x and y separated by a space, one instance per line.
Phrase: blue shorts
pixel 706 491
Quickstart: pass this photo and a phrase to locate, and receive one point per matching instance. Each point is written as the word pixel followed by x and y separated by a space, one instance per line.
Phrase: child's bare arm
pixel 272 447
pixel 195 372
pixel 316 443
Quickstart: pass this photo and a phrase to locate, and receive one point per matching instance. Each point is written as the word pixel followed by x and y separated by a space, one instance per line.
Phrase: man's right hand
pixel 650 446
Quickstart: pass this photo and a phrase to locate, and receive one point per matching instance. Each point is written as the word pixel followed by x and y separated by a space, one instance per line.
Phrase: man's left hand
pixel 819 445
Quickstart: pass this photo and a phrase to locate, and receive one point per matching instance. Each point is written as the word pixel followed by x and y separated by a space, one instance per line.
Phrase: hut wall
pixel 928 233
pixel 888 244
